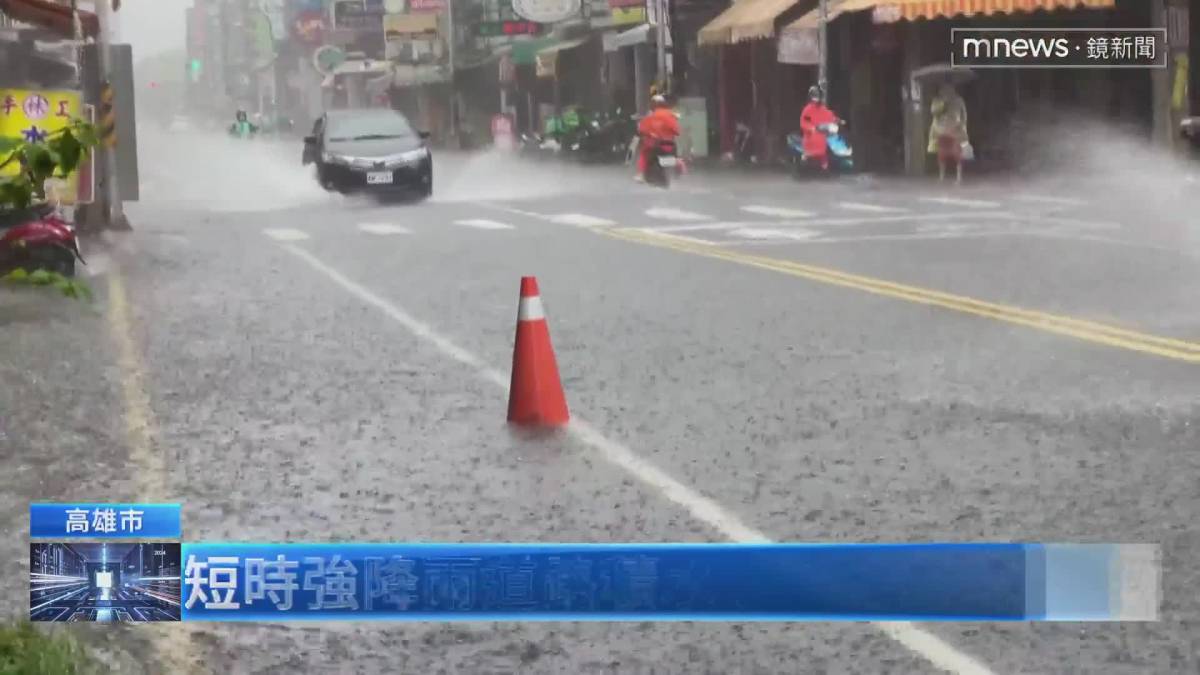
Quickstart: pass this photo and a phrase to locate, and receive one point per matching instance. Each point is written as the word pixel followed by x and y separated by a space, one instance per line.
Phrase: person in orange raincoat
pixel 814 115
pixel 660 125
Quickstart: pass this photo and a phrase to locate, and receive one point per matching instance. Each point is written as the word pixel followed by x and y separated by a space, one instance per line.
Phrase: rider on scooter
pixel 660 125
pixel 812 117
pixel 242 125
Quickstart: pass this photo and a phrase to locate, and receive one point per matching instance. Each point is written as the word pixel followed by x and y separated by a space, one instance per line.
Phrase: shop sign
pixel 328 58
pixel 546 64
pixel 628 16
pixel 31 115
pixel 427 5
pixel 799 47
pixel 546 11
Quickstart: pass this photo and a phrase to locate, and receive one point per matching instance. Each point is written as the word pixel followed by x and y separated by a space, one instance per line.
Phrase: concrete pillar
pixel 916 116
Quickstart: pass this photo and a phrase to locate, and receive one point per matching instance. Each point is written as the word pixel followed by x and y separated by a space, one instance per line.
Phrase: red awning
pixel 50 15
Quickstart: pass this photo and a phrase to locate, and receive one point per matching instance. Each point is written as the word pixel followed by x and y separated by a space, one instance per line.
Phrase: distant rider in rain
pixel 242 127
pixel 660 125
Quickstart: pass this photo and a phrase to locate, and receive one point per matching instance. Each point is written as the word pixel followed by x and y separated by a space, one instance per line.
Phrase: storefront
pixel 752 87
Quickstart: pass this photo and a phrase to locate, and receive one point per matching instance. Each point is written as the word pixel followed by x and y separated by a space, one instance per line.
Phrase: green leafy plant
pixel 25 650
pixel 56 156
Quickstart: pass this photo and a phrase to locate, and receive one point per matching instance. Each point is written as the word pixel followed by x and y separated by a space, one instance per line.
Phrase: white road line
pixel 667 213
pixel 580 220
pixel 1048 199
pixel 383 228
pixel 867 239
pixel 938 652
pixel 797 234
pixel 484 224
pixel 869 208
pixel 837 222
pixel 956 201
pixel 285 234
pixel 776 211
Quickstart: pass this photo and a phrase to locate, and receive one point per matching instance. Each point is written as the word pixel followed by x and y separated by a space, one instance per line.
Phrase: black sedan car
pixel 370 150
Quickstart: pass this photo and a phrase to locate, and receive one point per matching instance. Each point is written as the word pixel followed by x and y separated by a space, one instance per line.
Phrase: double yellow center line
pixel 1089 331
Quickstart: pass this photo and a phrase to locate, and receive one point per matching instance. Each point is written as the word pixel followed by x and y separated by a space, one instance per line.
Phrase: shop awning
pixel 634 36
pixel 561 46
pixel 524 53
pixel 836 8
pixel 910 10
pixel 744 20
pixel 50 15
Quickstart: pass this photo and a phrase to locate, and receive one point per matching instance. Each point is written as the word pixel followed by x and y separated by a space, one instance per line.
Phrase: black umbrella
pixel 943 72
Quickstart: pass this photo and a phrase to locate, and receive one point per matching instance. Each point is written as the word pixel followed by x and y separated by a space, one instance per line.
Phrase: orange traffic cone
pixel 535 396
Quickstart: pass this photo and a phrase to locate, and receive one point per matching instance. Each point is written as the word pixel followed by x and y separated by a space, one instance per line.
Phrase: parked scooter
pixel 37 238
pixel 602 139
pixel 837 150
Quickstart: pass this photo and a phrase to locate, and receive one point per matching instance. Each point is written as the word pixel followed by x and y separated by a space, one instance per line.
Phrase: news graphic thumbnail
pixel 104 582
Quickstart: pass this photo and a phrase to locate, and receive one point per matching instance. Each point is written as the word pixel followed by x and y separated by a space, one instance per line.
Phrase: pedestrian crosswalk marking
pixel 869 208
pixel 969 203
pixel 580 220
pixel 776 211
pixel 285 234
pixel 1049 199
pixel 383 228
pixel 796 234
pixel 484 224
pixel 666 213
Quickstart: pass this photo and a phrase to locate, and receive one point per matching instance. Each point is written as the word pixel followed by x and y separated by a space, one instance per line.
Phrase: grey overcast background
pixel 151 26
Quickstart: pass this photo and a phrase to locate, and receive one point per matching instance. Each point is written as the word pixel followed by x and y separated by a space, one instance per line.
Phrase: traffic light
pixel 194 68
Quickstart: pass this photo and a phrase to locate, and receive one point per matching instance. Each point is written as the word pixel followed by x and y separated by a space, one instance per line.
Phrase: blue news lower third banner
pixel 690 582
pixel 105 521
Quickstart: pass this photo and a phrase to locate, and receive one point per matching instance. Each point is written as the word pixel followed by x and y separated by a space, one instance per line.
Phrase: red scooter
pixel 37 238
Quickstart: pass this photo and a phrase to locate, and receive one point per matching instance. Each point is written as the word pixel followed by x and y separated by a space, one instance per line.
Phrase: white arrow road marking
pixel 869 208
pixel 776 211
pixel 797 234
pixel 484 224
pixel 285 234
pixel 938 652
pixel 665 213
pixel 955 201
pixel 580 220
pixel 383 228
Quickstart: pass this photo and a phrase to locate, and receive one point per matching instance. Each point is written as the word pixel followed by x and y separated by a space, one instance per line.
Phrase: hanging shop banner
pixel 546 11
pixel 32 115
pixel 800 46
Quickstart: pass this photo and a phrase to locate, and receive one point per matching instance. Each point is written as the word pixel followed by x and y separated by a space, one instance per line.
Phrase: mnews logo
pixel 1059 47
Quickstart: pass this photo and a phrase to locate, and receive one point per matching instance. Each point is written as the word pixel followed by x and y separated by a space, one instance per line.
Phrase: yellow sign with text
pixel 32 115
pixel 628 16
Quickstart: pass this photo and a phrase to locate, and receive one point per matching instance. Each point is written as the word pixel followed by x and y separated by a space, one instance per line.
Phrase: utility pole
pixel 451 39
pixel 116 212
pixel 660 40
pixel 823 40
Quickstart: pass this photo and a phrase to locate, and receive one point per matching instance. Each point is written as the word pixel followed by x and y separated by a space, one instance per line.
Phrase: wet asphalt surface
pixel 288 408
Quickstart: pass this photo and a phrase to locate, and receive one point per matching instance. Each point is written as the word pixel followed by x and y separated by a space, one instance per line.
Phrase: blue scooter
pixel 841 155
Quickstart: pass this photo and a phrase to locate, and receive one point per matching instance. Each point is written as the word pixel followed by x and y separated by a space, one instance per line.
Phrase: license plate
pixel 379 177
pixel 666 161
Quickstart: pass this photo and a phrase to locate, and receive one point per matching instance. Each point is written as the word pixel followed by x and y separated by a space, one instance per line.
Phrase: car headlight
pixel 414 155
pixel 330 158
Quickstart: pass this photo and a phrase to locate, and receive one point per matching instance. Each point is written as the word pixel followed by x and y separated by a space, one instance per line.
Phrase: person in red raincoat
pixel 660 125
pixel 814 115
